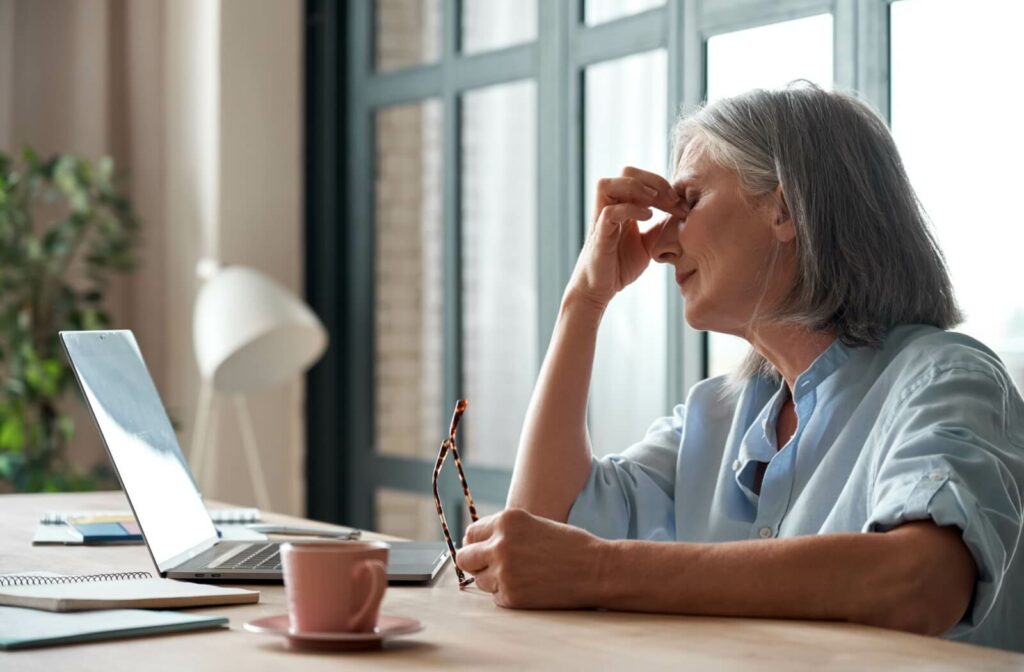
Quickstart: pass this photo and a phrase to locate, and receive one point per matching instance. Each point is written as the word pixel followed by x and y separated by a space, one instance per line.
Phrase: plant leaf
pixel 12 435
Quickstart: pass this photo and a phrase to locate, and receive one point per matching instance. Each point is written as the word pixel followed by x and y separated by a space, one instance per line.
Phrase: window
pixel 956 117
pixel 768 56
pixel 626 124
pixel 494 24
pixel 499 267
pixel 602 11
pixel 474 131
pixel 408 33
pixel 408 335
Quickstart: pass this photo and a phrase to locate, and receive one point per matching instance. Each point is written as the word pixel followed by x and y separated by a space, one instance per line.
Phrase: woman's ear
pixel 784 228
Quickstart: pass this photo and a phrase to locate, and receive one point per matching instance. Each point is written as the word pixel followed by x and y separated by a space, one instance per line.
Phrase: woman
pixel 863 465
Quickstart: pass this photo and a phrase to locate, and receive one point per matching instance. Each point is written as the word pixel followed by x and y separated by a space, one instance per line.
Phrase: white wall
pixel 200 101
pixel 260 208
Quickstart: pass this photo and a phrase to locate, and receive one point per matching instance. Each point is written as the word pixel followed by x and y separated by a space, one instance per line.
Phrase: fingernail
pixel 653 193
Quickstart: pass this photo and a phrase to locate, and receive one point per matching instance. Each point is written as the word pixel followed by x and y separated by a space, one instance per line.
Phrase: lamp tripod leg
pixel 252 454
pixel 197 451
pixel 210 464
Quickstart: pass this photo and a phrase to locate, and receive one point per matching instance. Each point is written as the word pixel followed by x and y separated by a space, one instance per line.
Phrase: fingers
pixel 613 216
pixel 480 530
pixel 667 196
pixel 486 581
pixel 651 236
pixel 473 558
pixel 475 553
pixel 625 189
pixel 640 187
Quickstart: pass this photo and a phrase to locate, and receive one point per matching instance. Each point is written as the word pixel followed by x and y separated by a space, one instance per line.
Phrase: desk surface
pixel 463 629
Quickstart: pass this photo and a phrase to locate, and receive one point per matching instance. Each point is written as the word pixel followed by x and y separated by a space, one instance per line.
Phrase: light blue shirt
pixel 929 426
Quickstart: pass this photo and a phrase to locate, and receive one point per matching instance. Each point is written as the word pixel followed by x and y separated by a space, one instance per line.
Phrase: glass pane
pixel 484 509
pixel 408 33
pixel 408 515
pixel 956 117
pixel 494 24
pixel 408 349
pixel 499 266
pixel 764 57
pixel 626 109
pixel 599 11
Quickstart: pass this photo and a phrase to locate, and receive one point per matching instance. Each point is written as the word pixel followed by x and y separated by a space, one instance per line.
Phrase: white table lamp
pixel 249 333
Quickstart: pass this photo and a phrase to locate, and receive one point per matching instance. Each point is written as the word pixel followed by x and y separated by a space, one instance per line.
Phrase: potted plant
pixel 65 228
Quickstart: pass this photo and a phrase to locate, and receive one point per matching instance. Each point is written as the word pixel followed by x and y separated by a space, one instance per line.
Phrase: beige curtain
pixel 200 102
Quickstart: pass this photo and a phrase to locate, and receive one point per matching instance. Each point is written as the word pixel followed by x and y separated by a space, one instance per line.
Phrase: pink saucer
pixel 387 626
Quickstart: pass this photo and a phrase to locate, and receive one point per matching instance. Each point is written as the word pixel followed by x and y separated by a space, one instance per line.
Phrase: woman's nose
pixel 666 248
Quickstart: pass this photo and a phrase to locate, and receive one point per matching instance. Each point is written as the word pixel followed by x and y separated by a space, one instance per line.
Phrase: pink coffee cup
pixel 334 586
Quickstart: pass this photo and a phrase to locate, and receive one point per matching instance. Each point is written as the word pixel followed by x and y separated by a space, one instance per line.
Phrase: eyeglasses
pixel 448 445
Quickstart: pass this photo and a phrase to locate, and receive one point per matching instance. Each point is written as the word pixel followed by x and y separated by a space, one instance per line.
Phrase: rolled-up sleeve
pixel 630 496
pixel 954 458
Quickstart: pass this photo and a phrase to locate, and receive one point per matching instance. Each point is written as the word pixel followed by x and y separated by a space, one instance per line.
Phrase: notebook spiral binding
pixel 32 580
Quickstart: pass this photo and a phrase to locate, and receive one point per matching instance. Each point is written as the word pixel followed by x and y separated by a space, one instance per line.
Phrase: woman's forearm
pixel 917 578
pixel 553 461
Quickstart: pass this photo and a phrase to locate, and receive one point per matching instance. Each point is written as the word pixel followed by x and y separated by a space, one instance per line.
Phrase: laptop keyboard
pixel 265 556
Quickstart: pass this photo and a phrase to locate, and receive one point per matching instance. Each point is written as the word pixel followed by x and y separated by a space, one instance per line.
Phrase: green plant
pixel 65 229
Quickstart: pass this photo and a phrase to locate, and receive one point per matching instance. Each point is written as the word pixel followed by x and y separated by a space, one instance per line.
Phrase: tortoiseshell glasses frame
pixel 448 446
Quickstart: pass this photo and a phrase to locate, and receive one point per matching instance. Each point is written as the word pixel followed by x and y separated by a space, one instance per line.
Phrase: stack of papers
pixel 120 527
pixel 35 601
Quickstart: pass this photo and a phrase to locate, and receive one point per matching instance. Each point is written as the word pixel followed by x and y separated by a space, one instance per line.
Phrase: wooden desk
pixel 463 629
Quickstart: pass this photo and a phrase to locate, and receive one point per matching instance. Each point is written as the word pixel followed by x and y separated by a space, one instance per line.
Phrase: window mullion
pixel 450 215
pixel 873 54
pixel 359 316
pixel 554 190
pixel 862 50
pixel 727 16
pixel 686 73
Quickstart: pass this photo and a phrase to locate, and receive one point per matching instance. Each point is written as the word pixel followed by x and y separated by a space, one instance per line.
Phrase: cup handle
pixel 378 577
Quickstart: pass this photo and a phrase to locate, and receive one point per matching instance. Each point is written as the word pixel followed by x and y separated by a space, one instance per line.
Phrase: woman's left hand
pixel 528 562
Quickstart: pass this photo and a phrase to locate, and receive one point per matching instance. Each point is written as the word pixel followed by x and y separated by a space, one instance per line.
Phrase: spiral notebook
pixel 126 590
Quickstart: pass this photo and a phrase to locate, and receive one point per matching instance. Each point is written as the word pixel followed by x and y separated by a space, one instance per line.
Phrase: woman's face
pixel 722 250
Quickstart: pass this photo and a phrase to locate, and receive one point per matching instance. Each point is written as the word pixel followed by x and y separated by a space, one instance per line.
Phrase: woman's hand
pixel 616 252
pixel 529 562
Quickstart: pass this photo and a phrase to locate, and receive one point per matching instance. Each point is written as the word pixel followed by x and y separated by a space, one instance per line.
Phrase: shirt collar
pixel 821 368
pixel 758 443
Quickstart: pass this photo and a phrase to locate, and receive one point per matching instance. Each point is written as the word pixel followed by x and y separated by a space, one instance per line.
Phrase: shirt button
pixel 935 475
pixel 737 465
pixel 766 533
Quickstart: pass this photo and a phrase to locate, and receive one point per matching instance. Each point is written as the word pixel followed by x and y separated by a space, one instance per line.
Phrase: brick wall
pixel 408 375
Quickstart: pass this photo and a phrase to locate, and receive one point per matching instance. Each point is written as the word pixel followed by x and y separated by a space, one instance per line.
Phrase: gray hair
pixel 866 257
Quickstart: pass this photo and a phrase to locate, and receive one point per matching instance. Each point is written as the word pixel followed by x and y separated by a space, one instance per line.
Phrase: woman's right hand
pixel 616 252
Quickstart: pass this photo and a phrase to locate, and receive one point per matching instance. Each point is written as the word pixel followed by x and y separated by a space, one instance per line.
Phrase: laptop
pixel 161 490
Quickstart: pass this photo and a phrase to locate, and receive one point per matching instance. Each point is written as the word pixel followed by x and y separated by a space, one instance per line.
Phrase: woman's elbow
pixel 926 617
pixel 933 587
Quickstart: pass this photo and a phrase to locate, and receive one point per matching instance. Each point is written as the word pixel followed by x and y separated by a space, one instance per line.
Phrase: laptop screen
pixel 141 443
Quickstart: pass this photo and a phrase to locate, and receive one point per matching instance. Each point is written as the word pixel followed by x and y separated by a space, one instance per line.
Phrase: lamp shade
pixel 250 332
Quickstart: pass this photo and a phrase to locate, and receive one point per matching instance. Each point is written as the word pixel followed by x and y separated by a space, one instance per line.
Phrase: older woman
pixel 864 465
